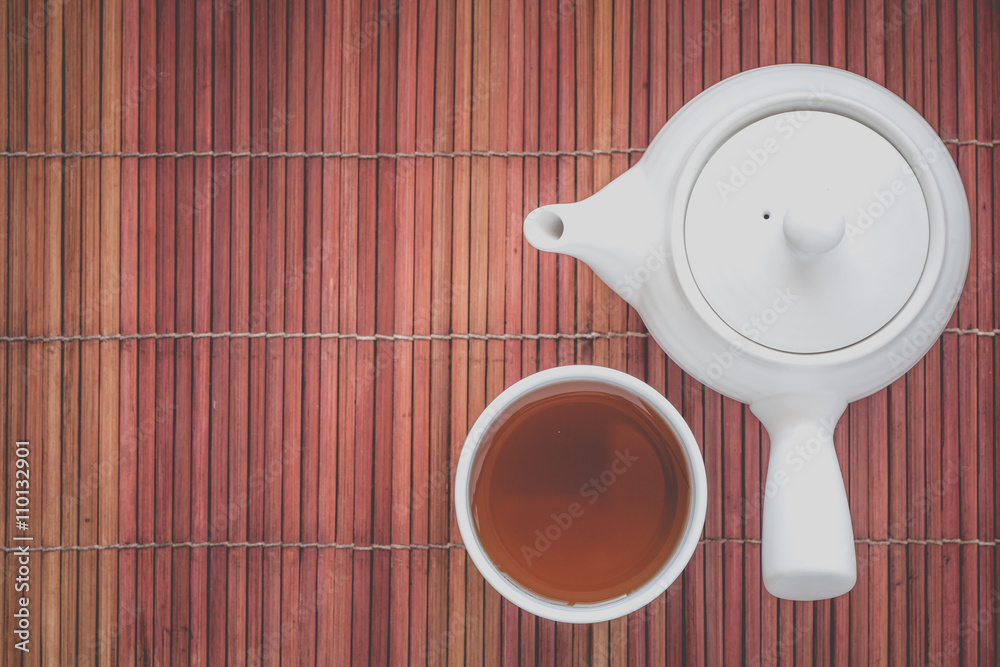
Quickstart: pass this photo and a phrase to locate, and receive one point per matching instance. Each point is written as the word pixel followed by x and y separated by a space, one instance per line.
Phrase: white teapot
pixel 795 237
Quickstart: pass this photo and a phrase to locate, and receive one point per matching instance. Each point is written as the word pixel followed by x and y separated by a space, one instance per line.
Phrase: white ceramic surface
pixel 819 250
pixel 531 388
pixel 811 276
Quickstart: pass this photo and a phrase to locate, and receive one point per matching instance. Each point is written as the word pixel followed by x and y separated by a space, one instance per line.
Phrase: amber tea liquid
pixel 581 496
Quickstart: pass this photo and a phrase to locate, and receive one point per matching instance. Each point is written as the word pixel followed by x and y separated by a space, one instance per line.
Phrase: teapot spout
pixel 544 227
pixel 614 231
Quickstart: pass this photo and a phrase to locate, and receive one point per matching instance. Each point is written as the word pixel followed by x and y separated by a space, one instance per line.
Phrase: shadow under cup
pixel 584 494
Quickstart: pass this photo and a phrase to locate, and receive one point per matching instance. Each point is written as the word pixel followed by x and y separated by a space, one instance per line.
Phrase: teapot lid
pixel 806 231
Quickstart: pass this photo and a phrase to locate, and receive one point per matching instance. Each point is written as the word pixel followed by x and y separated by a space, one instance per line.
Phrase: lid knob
pixel 814 225
pixel 813 231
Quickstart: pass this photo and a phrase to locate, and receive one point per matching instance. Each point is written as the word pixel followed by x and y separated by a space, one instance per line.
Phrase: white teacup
pixel 536 386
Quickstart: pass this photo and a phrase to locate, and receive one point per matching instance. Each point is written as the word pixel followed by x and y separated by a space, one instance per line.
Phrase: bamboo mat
pixel 262 267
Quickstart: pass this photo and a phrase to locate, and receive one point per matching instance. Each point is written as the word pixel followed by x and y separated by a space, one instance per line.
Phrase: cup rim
pixel 671 570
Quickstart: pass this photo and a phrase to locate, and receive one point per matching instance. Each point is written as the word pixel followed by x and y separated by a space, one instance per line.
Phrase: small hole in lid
pixel 767 215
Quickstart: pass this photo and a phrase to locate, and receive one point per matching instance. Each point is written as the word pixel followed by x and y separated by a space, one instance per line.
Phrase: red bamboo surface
pixel 261 267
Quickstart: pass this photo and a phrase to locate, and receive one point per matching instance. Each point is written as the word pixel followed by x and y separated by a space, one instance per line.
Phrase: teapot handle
pixel 807 542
